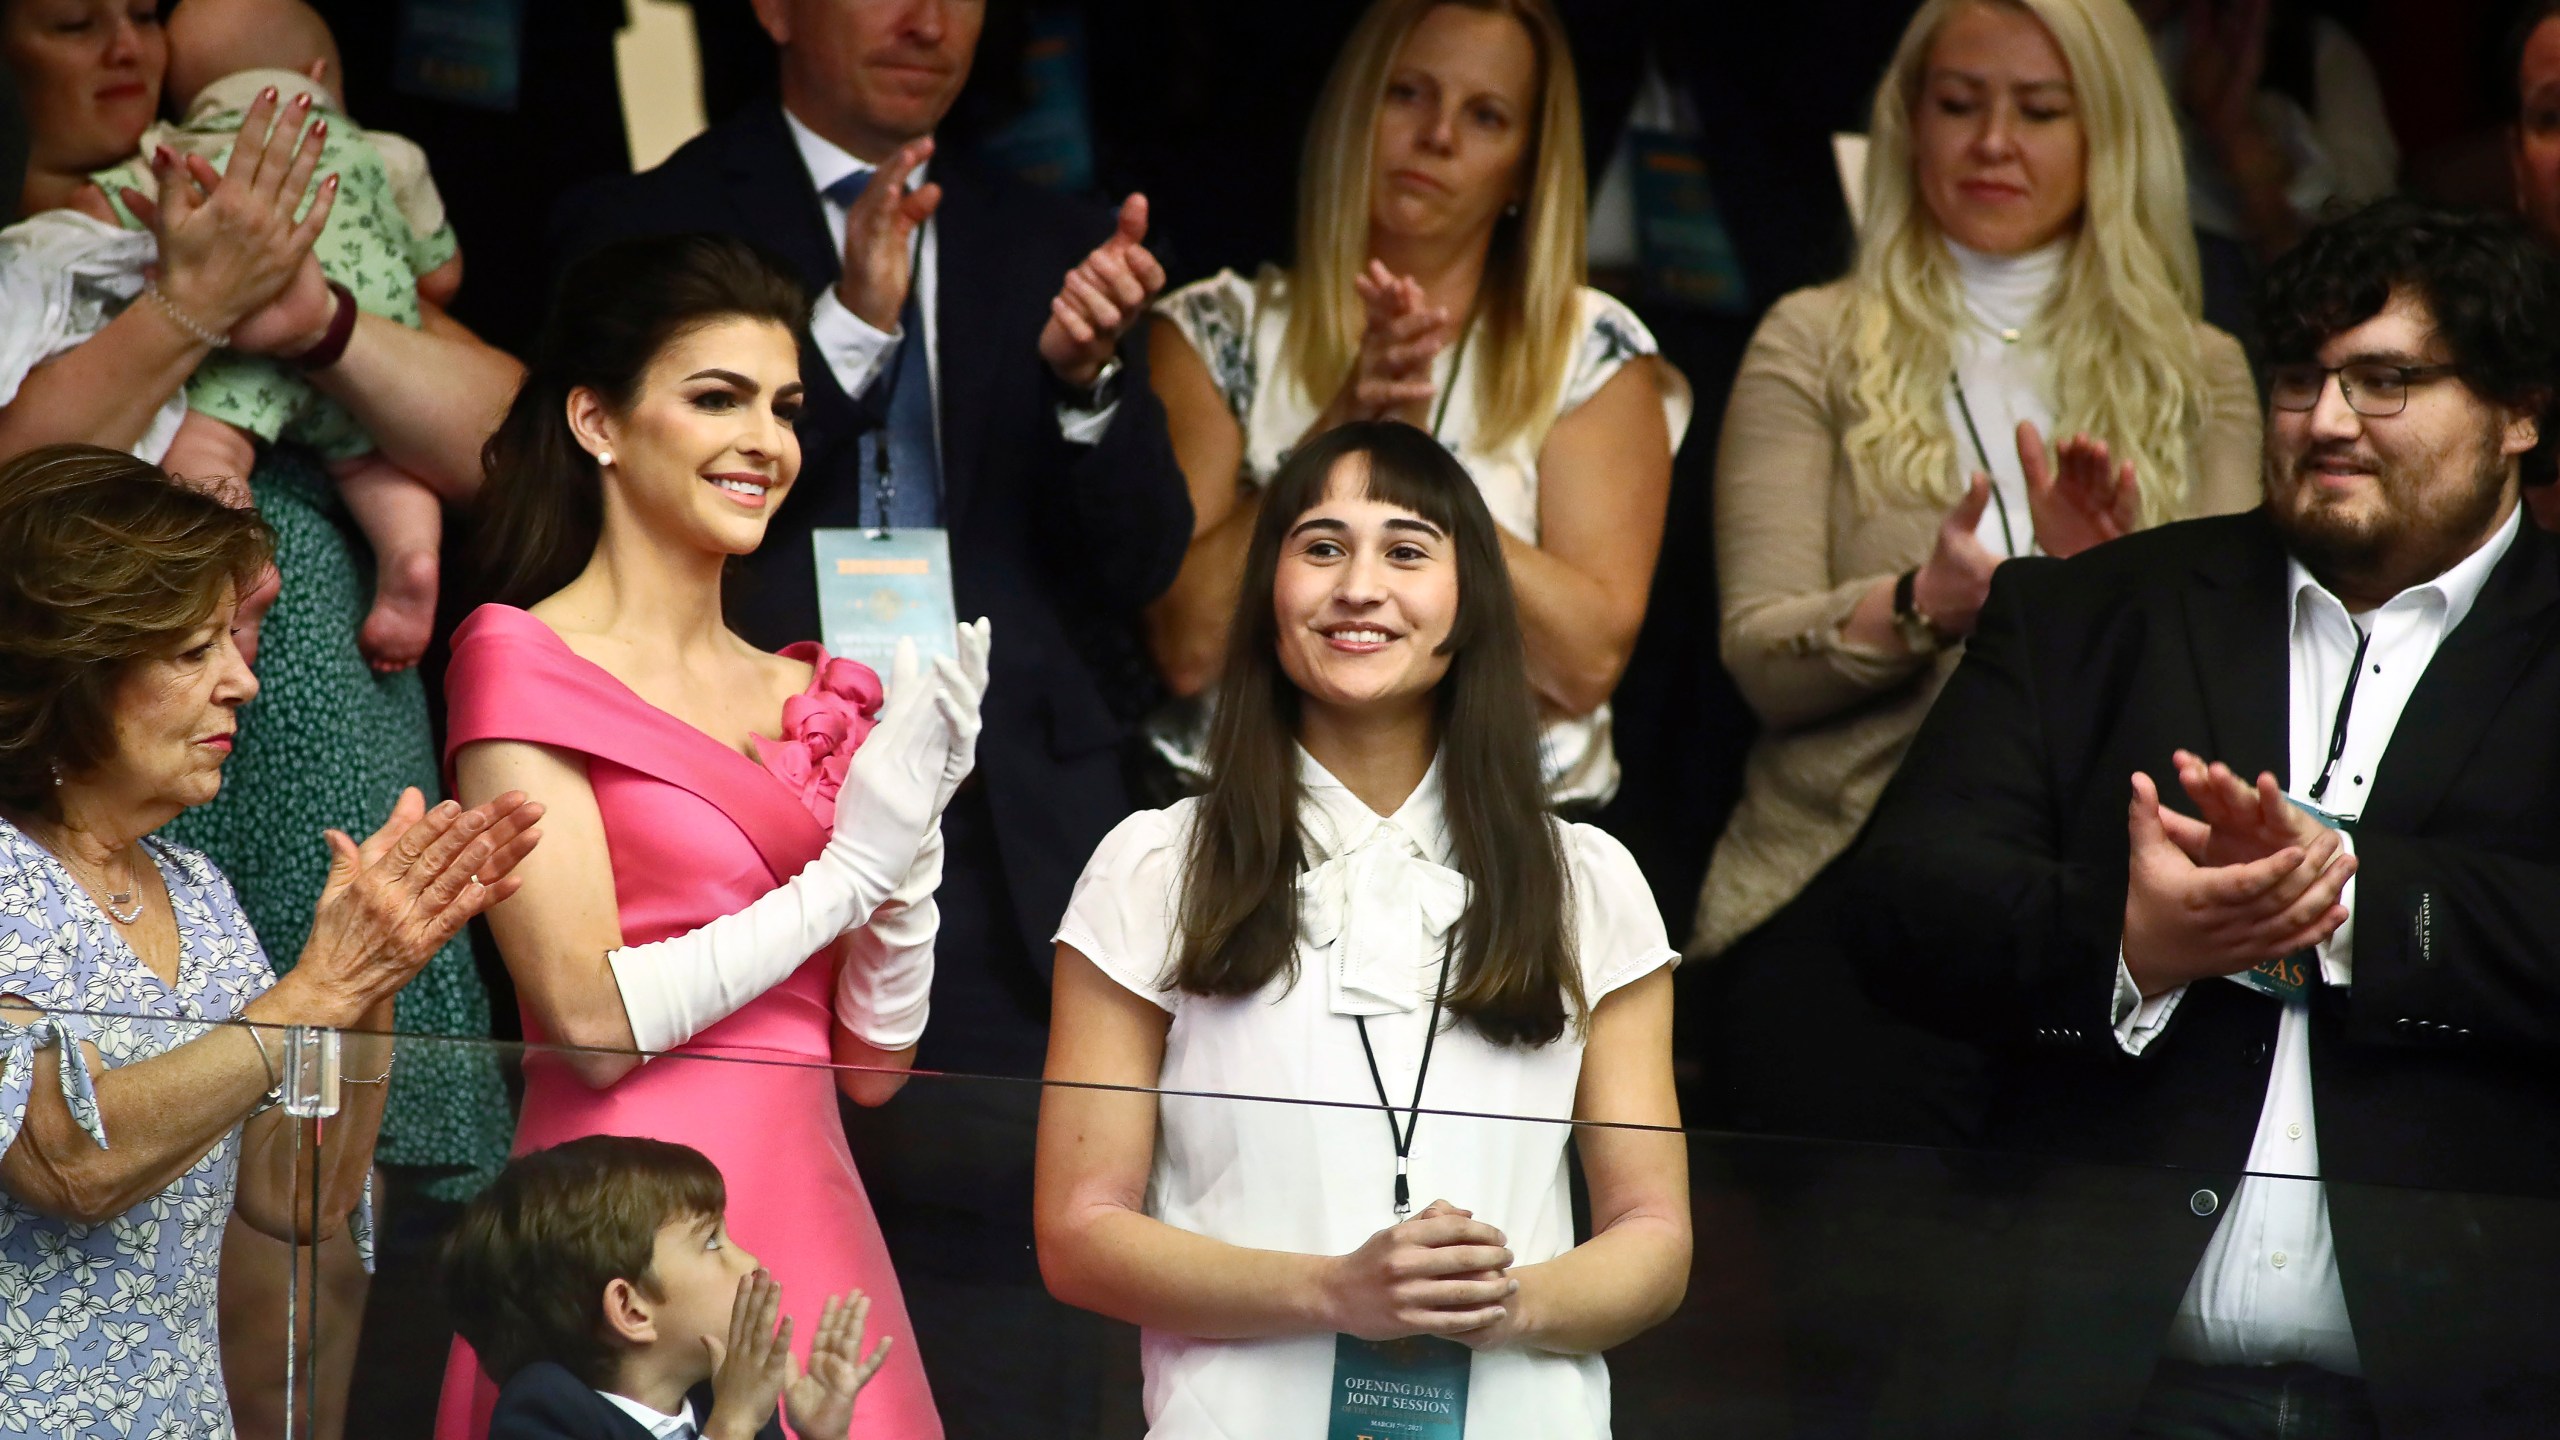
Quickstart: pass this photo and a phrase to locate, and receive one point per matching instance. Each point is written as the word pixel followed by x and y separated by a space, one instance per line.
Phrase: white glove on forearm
pixel 673 990
pixel 884 986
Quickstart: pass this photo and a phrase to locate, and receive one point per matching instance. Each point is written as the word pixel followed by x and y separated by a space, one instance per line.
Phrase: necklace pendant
pixel 2009 336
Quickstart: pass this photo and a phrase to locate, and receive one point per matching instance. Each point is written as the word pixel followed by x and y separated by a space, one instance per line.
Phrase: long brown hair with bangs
pixel 1513 976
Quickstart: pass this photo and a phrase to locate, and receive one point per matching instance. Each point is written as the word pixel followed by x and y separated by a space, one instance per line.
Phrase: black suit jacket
pixel 1061 544
pixel 1995 876
pixel 545 1402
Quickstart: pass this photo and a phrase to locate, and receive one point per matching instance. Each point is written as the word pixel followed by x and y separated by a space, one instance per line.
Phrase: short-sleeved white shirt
pixel 1236 325
pixel 1376 903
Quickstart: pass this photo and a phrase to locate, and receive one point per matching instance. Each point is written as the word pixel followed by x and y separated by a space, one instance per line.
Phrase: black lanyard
pixel 2346 707
pixel 1403 1138
pixel 2008 537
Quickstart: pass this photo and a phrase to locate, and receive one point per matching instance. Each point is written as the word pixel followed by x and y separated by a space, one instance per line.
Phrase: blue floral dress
pixel 110 1329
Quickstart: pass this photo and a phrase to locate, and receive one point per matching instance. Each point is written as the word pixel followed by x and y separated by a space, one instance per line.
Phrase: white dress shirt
pixel 2267 1289
pixel 679 1426
pixel 856 351
pixel 2004 380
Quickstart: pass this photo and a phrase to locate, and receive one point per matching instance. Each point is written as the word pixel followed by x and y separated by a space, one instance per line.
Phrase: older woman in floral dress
pixel 133 1118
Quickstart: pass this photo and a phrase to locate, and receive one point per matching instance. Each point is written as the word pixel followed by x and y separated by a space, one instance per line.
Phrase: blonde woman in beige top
pixel 2025 270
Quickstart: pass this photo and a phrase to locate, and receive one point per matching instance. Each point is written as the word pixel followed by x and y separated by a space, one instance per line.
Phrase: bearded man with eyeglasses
pixel 2239 841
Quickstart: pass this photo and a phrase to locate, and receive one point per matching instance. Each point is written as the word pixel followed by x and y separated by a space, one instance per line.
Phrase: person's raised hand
pixel 753 1367
pixel 2185 920
pixel 230 240
pixel 2078 495
pixel 879 237
pixel 391 903
pixel 820 1403
pixel 1101 299
pixel 962 684
pixel 1402 335
pixel 1956 578
pixel 2225 62
pixel 1443 1272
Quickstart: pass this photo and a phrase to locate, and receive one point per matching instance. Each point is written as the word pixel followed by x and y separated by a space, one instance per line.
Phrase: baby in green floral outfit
pixel 387 242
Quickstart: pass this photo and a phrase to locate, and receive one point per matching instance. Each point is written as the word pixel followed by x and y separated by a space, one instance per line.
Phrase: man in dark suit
pixel 948 351
pixel 2313 965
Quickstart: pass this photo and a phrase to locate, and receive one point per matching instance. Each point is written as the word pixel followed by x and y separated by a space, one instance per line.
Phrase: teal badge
pixel 877 587
pixel 2287 977
pixel 1410 1389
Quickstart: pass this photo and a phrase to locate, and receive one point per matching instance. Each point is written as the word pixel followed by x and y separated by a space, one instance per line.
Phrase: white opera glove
pixel 885 982
pixel 674 989
pixel 884 985
pixel 965 680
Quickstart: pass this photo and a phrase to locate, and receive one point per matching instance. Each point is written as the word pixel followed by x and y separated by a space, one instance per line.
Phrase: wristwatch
pixel 1100 393
pixel 1918 634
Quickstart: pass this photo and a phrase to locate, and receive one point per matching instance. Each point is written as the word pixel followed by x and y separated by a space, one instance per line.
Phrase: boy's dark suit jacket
pixel 1061 544
pixel 1995 869
pixel 545 1402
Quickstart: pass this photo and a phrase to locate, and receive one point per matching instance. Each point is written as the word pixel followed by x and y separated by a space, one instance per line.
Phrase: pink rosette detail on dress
pixel 821 728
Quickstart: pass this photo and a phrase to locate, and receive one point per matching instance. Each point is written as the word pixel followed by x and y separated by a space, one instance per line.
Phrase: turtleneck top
pixel 2002 379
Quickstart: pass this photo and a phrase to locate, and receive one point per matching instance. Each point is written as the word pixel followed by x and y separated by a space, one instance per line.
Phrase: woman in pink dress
pixel 748 842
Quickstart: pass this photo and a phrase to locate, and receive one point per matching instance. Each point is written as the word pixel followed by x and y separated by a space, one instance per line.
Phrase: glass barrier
pixel 171 1240
pixel 1832 1289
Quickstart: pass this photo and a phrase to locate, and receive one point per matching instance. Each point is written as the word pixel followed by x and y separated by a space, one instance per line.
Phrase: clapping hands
pixel 2253 880
pixel 754 1372
pixel 1405 334
pixel 2078 498
pixel 230 241
pixel 820 1402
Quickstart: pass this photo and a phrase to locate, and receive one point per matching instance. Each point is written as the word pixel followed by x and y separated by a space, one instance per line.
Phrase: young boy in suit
pixel 598 1283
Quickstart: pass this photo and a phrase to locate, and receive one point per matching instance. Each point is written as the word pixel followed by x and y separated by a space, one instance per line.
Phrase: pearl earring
pixel 604 457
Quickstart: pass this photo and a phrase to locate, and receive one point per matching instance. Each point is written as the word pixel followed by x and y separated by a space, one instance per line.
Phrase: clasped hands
pixel 1100 300
pixel 1443 1272
pixel 2254 879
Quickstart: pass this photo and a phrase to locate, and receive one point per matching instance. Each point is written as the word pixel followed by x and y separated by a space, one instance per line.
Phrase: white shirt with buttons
pixel 2267 1289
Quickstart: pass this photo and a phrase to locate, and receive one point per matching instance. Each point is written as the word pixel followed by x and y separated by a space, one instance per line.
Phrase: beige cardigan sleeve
pixel 1774 491
pixel 2230 453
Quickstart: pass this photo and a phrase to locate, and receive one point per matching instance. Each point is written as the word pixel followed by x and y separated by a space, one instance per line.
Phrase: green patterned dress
pixel 330 743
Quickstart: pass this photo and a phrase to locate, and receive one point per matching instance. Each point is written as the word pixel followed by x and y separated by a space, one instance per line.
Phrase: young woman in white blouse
pixel 1369 909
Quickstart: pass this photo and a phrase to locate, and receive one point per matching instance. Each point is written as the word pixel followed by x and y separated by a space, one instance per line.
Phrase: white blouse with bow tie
pixel 1375 905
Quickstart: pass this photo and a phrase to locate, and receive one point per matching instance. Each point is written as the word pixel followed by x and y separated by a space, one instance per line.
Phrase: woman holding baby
pixel 100 351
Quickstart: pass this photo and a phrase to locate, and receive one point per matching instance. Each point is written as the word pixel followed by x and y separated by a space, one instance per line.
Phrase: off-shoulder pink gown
pixel 697 830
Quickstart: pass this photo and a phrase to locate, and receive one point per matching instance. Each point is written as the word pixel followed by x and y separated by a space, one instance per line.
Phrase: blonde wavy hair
pixel 2120 329
pixel 1529 311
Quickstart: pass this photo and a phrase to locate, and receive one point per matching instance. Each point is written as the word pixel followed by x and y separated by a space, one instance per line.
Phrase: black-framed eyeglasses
pixel 2372 389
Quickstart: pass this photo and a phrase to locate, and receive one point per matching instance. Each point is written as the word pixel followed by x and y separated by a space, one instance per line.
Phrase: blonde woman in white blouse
pixel 1370 906
pixel 1438 279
